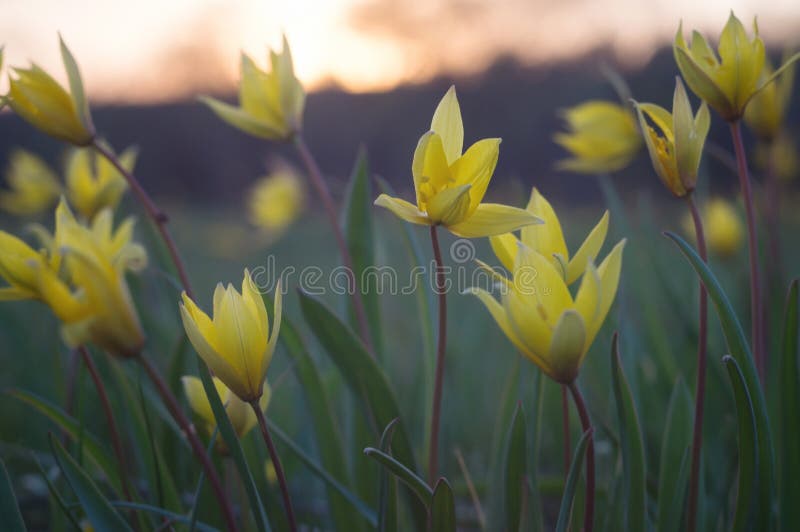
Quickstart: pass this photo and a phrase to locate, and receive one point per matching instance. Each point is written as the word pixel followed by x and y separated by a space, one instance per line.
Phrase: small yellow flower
pixel 237 343
pixel 93 183
pixel 547 239
pixel 270 103
pixel 240 414
pixel 602 138
pixel 767 110
pixel 42 102
pixel 450 185
pixel 676 151
pixel 781 153
pixel 275 201
pixel 723 228
pixel 33 186
pixel 728 81
pixel 540 316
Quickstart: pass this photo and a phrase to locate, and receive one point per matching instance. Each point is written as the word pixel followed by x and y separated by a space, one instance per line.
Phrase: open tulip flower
pixel 240 413
pixel 548 240
pixel 41 101
pixel 270 103
pixel 675 151
pixel 538 313
pixel 237 344
pixel 602 137
pixel 450 185
pixel 33 186
pixel 93 183
pixel 726 82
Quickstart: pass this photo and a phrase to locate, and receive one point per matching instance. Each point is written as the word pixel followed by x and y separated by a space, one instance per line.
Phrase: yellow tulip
pixel 724 231
pixel 42 102
pixel 676 151
pixel 96 259
pixel 270 103
pixel 728 81
pixel 767 110
pixel 450 185
pixel 781 153
pixel 33 187
pixel 275 201
pixel 602 138
pixel 237 343
pixel 541 318
pixel 239 413
pixel 547 239
pixel 93 183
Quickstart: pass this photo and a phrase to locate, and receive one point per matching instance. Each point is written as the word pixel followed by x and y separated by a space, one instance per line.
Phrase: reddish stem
pixel 188 429
pixel 433 451
pixel 699 408
pixel 324 193
pixel 276 461
pixel 586 424
pixel 565 422
pixel 755 279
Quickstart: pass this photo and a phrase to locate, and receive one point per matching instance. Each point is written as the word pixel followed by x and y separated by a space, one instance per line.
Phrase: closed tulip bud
pixel 93 183
pixel 237 343
pixel 601 137
pixel 729 79
pixel 767 110
pixel 270 103
pixel 42 102
pixel 239 413
pixel 450 185
pixel 33 186
pixel 677 146
pixel 724 231
pixel 276 200
pixel 537 311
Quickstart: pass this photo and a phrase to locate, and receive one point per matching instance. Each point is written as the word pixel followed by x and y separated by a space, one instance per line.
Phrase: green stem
pixel 433 451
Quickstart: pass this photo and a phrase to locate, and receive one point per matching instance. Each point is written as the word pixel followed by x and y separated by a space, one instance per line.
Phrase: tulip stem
pixel 700 393
pixel 586 424
pixel 752 237
pixel 324 193
pixel 116 441
pixel 565 422
pixel 191 434
pixel 433 451
pixel 158 216
pixel 276 461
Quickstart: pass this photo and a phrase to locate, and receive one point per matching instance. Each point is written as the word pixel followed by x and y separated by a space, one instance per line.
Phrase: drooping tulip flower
pixel 33 186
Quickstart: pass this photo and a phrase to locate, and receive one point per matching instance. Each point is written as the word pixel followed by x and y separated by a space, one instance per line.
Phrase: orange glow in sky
pixel 153 50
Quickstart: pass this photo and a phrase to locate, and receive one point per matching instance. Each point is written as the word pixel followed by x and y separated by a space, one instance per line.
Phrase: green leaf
pixel 748 450
pixel 362 374
pixel 358 232
pixel 676 441
pixel 100 513
pixel 740 350
pixel 789 408
pixel 323 422
pixel 59 500
pixel 632 446
pixel 387 498
pixel 409 478
pixel 443 508
pixel 171 516
pixel 572 482
pixel 353 501
pixel 515 470
pixel 9 509
pixel 91 446
pixel 234 447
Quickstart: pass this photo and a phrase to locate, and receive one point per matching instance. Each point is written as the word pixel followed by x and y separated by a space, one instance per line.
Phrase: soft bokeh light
pixel 151 50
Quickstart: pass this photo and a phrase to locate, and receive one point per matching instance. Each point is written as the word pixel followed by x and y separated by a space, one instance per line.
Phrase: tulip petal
pixel 241 120
pixel 608 271
pixel 403 209
pixel 276 327
pixel 429 168
pixel 450 206
pixel 476 167
pixel 661 117
pixel 76 85
pixel 587 300
pixel 567 347
pixel 448 125
pixel 701 82
pixel 493 219
pixel 505 249
pixel 588 250
pixel 197 398
pixel 546 238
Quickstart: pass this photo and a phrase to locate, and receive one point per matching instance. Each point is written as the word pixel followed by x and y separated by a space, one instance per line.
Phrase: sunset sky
pixel 152 50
